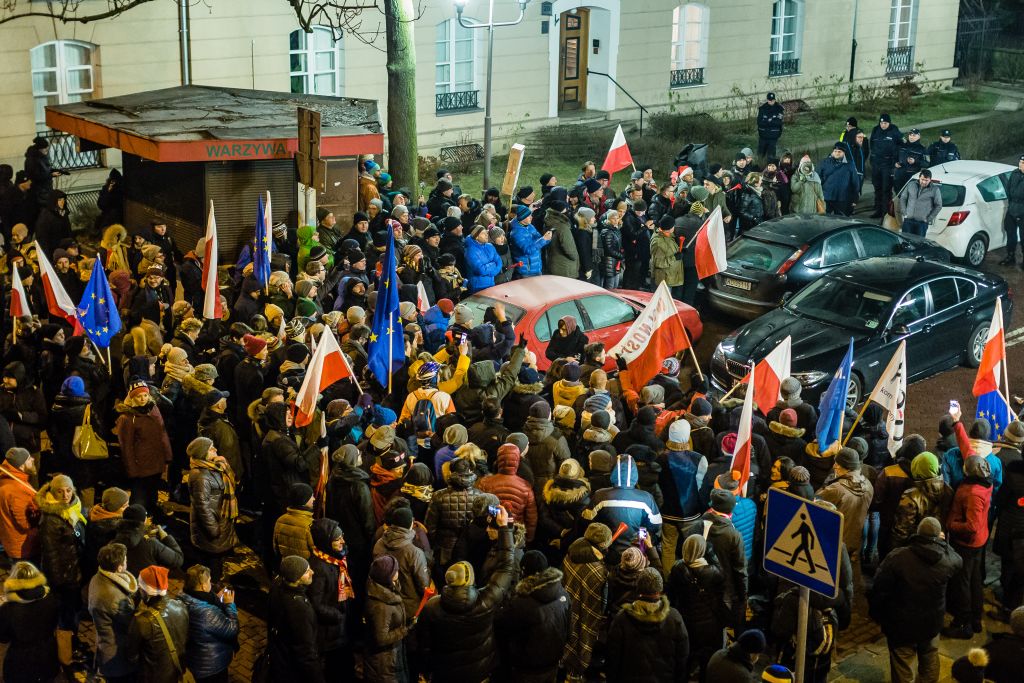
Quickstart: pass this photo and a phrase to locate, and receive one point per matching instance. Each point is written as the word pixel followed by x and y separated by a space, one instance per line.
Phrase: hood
pixel 560 491
pixel 305 234
pixel 507 461
pixel 647 612
pixel 345 473
pixel 322 531
pixel 461 480
pixel 481 374
pixel 274 417
pixel 382 594
pixel 545 586
pixel 16 370
pixel 582 552
pixel 565 393
pixel 624 473
pixel 554 219
pixel 932 488
pixel 195 387
pixel 33 589
pixel 856 484
pixel 930 550
pixel 595 435
pixel 538 428
pixel 395 537
pixel 534 388
pixel 786 432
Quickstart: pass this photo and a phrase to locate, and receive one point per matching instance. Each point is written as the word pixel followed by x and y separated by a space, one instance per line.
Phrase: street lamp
pixel 490 25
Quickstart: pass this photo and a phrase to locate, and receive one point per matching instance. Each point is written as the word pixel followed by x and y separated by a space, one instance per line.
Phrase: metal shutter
pixel 235 188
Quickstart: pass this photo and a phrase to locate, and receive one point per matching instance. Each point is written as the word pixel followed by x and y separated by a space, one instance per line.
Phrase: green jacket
pixel 806 192
pixel 664 264
pixel 563 258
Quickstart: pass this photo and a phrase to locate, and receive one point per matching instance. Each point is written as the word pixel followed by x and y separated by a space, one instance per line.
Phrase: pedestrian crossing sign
pixel 803 542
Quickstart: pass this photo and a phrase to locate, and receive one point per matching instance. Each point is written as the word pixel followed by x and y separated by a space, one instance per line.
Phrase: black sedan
pixel 785 254
pixel 942 311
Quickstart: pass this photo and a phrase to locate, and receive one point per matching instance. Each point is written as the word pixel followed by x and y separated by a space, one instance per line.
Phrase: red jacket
pixel 514 492
pixel 145 448
pixel 19 514
pixel 968 517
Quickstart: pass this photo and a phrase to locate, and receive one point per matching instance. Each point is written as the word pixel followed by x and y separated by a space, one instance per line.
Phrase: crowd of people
pixel 482 520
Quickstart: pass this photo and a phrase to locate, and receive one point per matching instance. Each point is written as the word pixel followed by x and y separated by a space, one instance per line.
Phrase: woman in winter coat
pixel 563 257
pixel 586 581
pixel 696 588
pixel 526 243
pixel 482 260
pixel 62 540
pixel 28 624
pixel 499 240
pixel 666 258
pixel 806 189
pixel 66 414
pixel 612 256
pixel 331 594
pixel 145 448
pixel 567 341
pixel 387 625
pixel 213 507
pixel 586 238
pixel 212 626
pixel 751 205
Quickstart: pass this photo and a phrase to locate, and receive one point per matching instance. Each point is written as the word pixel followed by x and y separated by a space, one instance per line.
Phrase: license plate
pixel 737 284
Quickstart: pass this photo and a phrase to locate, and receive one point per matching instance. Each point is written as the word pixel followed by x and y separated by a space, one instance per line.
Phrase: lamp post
pixel 490 25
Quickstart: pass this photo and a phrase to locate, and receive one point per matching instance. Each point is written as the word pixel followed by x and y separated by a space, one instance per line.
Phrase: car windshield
pixel 479 305
pixel 753 254
pixel 842 303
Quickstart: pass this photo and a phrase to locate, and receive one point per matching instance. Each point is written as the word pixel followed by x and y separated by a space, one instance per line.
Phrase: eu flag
pixel 993 408
pixel 97 312
pixel 387 343
pixel 832 405
pixel 264 241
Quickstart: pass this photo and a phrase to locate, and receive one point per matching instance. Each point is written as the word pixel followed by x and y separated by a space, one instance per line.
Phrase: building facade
pixel 568 60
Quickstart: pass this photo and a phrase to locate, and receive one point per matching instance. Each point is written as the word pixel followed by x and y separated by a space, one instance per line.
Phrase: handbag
pixel 819 205
pixel 184 675
pixel 87 444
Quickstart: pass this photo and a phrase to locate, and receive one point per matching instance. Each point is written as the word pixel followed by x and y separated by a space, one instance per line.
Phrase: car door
pixel 877 242
pixel 945 326
pixel 606 318
pixel 838 249
pixel 911 312
pixel 991 208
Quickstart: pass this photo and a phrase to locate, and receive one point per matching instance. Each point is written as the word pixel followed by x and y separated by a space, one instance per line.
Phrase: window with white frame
pixel 690 24
pixel 62 72
pixel 902 23
pixel 455 69
pixel 316 62
pixel 787 26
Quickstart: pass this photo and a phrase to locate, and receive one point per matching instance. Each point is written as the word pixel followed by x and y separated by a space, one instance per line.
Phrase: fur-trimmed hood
pixel 647 612
pixel 564 492
pixel 533 388
pixel 596 435
pixel 31 589
pixel 545 586
pixel 788 432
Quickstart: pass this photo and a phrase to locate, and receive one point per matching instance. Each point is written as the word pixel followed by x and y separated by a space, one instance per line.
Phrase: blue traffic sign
pixel 803 542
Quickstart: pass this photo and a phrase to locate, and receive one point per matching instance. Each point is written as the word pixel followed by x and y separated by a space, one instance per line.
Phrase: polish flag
pixel 744 440
pixel 618 156
pixel 422 302
pixel 994 355
pixel 212 309
pixel 19 302
pixel 656 334
pixel 57 300
pixel 326 367
pixel 771 370
pixel 709 246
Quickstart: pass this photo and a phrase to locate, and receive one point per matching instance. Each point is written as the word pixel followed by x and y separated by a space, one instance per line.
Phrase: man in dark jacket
pixel 112 602
pixel 213 506
pixel 647 640
pixel 533 628
pixel 884 144
pixel 147 544
pixel 908 599
pixel 457 627
pixel 349 503
pixel 736 662
pixel 943 150
pixel 839 182
pixel 769 126
pixel 910 159
pixel 1006 651
pixel 160 661
pixel 291 625
pixel 624 503
pixel 716 526
pixel 212 626
pixel 1013 221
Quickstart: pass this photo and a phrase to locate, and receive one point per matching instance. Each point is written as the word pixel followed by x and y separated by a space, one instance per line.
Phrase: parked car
pixel 973 205
pixel 942 311
pixel 535 305
pixel 783 255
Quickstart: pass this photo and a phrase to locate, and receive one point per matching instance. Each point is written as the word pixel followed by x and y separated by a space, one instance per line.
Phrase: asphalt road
pixel 928 399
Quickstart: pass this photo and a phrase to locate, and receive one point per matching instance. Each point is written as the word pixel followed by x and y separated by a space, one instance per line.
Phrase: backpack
pixel 424 419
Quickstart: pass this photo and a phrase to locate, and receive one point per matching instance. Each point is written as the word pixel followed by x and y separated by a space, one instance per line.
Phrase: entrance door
pixel 572 62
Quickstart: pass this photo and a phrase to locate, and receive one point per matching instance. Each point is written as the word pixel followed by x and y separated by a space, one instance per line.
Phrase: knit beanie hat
pixel 571 469
pixel 534 562
pixel 652 394
pixel 649 584
pixel 752 642
pixel 981 429
pixel 776 673
pixel 459 575
pixel 299 495
pixel 456 435
pixel 293 568
pixel 198 448
pixel 400 517
pixel 701 407
pixel 790 388
pixel 253 344
pixel 541 410
pixel 600 420
pixel 135 513
pixel 597 402
pixel 564 416
pixel 114 499
pixel 206 372
pixel 924 466
pixel 17 456
pixel 571 372
pixel 788 417
pixel 848 459
pixel 598 535
pixel 520 440
pixel 860 445
pixel 463 315
pixel 800 474
pixel 930 527
pixel 73 386
pixel 382 569
pixel 62 481
pixel 633 560
pixel 729 481
pixel 679 432
pixel 722 501
pixel 153 580
pixel 600 461
pixel 971 667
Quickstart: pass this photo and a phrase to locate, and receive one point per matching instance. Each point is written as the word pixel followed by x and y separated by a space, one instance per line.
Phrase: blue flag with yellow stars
pixel 993 408
pixel 97 312
pixel 387 340
pixel 262 248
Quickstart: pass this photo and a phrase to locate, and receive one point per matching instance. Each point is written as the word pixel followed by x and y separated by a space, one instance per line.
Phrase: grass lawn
pixel 561 150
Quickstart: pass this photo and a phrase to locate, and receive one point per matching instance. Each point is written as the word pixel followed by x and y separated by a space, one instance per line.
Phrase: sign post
pixel 803 544
pixel 311 168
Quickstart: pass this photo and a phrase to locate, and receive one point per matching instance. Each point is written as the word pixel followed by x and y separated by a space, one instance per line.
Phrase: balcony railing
pixel 64 152
pixel 899 61
pixel 448 102
pixel 783 67
pixel 684 78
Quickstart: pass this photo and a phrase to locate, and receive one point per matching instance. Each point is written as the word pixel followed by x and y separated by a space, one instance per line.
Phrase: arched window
pixel 690 24
pixel 902 27
pixel 787 33
pixel 62 72
pixel 317 62
pixel 455 71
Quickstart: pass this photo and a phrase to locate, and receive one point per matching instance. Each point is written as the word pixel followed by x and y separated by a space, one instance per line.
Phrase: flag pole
pixel 110 366
pixel 859 415
pixel 350 371
pixel 689 347
pixel 1006 376
pixel 391 332
pixel 730 392
pixel 14 331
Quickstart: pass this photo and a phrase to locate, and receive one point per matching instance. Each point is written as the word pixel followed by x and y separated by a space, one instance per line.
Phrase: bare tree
pixel 65 11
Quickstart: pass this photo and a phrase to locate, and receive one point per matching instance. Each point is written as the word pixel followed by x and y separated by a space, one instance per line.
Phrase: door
pixel 949 328
pixel 992 208
pixel 912 312
pixel 572 61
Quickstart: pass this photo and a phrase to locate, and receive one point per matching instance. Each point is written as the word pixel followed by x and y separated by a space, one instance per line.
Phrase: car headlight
pixel 719 355
pixel 809 378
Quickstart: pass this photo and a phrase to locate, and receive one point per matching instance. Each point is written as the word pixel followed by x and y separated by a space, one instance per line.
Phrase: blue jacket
pixel 680 483
pixel 623 502
pixel 839 180
pixel 953 468
pixel 212 635
pixel 526 245
pixel 435 324
pixel 744 518
pixel 482 263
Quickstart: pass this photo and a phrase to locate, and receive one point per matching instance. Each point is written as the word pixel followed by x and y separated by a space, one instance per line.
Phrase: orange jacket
pixel 19 515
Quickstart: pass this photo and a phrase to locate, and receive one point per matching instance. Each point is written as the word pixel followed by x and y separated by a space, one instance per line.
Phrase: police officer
pixel 769 126
pixel 884 144
pixel 943 150
pixel 911 159
pixel 1013 223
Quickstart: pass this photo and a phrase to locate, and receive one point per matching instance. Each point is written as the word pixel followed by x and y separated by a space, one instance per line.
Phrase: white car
pixel 973 205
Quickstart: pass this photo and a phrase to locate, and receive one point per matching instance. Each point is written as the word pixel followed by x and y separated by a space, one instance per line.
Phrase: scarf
pixel 98 513
pixel 71 512
pixel 423 493
pixel 345 590
pixel 177 371
pixel 228 502
pixel 23 479
pixel 380 475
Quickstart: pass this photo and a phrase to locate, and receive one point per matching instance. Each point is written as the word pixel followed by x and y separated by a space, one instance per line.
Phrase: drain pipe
pixel 184 43
pixel 853 50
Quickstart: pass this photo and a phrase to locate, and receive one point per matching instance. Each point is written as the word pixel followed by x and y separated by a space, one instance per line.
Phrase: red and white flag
pixel 771 370
pixel 709 246
pixel 422 302
pixel 212 309
pixel 19 302
pixel 618 156
pixel 57 300
pixel 656 334
pixel 992 358
pixel 744 440
pixel 326 367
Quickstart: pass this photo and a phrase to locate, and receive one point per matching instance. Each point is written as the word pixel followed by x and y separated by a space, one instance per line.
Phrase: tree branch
pixel 66 11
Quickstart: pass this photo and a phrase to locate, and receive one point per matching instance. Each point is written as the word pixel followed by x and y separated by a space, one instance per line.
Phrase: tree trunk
pixel 403 155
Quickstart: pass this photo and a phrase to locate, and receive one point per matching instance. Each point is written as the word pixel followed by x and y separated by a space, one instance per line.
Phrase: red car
pixel 535 305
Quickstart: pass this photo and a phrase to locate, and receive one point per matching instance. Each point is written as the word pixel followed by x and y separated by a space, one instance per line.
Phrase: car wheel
pixel 976 346
pixel 976 249
pixel 853 393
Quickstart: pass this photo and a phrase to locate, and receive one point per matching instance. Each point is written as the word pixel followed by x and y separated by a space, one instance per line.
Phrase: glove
pixel 620 363
pixel 522 340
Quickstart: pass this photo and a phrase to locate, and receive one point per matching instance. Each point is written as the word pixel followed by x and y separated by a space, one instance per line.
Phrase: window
pixel 944 294
pixel 902 21
pixel 689 44
pixel 911 308
pixel 787 26
pixel 605 311
pixel 554 314
pixel 455 69
pixel 967 289
pixel 878 242
pixel 316 62
pixel 991 189
pixel 62 72
pixel 839 248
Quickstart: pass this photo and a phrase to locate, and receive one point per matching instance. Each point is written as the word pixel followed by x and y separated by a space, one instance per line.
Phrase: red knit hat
pixel 446 306
pixel 253 344
pixel 153 580
pixel 788 417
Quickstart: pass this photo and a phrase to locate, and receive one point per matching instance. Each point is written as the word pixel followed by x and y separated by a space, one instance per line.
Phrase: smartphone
pixel 462 339
pixel 493 510
pixel 642 534
pixel 954 406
